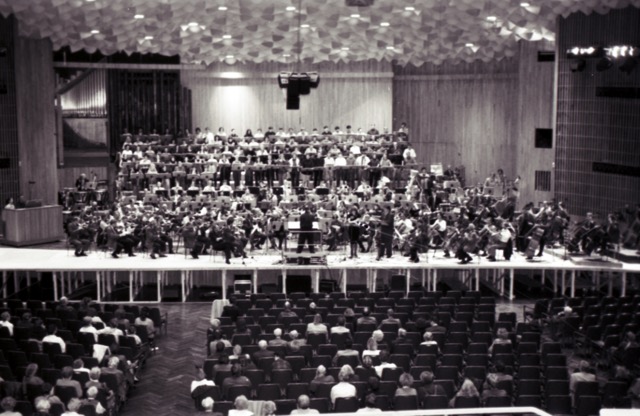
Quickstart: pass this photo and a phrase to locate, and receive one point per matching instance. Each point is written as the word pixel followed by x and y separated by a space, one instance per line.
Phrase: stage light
pixel 95 31
pixel 604 64
pixel 223 8
pixel 492 18
pixel 578 65
pixel 138 16
pixel 290 8
pixel 628 65
pixel 385 24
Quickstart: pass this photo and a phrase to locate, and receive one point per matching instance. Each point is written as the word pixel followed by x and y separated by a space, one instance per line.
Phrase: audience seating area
pixel 25 344
pixel 533 366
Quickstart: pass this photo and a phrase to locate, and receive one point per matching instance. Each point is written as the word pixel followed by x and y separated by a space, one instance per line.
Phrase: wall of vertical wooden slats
pixel 88 98
pixel 358 95
pixel 596 129
pixel 9 176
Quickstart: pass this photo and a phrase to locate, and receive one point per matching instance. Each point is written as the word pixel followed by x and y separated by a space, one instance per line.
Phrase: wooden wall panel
pixel 535 110
pixel 10 175
pixel 461 119
pixel 36 119
pixel 358 95
pixel 596 129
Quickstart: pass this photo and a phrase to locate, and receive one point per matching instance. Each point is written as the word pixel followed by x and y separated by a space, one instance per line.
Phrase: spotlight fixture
pixel 223 8
pixel 604 64
pixel 95 31
pixel 149 37
pixel 138 16
pixel 290 8
pixel 492 18
pixel 385 24
pixel 628 65
pixel 578 65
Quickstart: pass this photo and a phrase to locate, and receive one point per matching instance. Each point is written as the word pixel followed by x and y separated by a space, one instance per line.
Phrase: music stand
pixel 254 190
pixel 322 191
pixel 300 191
pixel 192 193
pixel 278 190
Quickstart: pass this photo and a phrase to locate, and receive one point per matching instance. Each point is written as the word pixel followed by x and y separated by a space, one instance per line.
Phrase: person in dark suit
pixel 306 231
pixel 385 231
pixel 263 352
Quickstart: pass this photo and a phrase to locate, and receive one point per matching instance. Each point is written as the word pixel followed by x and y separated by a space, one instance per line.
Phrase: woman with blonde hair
pixel 467 396
pixel 372 348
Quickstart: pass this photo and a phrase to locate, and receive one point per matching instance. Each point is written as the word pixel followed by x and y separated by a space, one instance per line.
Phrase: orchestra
pixel 224 193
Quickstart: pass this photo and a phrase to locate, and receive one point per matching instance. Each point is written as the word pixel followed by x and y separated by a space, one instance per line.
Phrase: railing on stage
pixel 471 411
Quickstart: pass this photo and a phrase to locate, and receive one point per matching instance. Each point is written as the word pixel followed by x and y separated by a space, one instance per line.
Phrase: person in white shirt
pixel 52 338
pixel 384 363
pixel 344 388
pixel 200 380
pixel 6 322
pixel 369 405
pixel 340 327
pixel 303 406
pixel 409 155
pixel 241 407
pixel 316 327
pixel 87 327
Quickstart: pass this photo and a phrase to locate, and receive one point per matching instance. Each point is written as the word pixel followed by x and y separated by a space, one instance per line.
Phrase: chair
pixel 324 390
pixel 475 373
pixel 452 360
pixel 352 360
pixel 559 405
pixel 24 408
pixel 268 392
pixel 235 391
pixel 401 360
pixel 525 401
pixel 436 402
pixel 346 405
pixel 316 339
pixel 447 373
pixel 426 360
pixel 327 349
pixel 295 390
pixel 321 360
pixel 478 360
pixel 529 360
pixel 388 388
pixel 321 404
pixel 306 375
pixel 504 401
pixel 391 374
pixel 528 373
pixel 285 406
pixel 556 373
pixel 87 409
pixel 466 402
pixel 65 393
pixel 383 403
pixel 405 403
pixel 281 377
pixel 529 388
pixel 222 407
pixel 62 360
pixel 586 388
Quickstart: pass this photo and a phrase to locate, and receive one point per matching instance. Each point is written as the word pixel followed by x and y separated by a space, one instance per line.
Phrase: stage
pixel 263 267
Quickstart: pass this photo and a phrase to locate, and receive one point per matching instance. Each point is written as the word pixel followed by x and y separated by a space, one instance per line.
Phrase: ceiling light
pixel 138 16
pixel 95 31
pixel 469 45
pixel 355 16
pixel 524 4
pixel 345 48
pixel 223 8
pixel 286 55
pixel 291 8
pixel 226 36
pixel 409 8
pixel 230 74
pixel 385 24
pixel 229 57
pixel 492 18
pixel 304 25
pixel 148 37
pixel 90 1
pixel 192 24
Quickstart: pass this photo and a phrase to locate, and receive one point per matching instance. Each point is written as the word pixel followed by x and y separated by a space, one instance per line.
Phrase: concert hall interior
pixel 257 207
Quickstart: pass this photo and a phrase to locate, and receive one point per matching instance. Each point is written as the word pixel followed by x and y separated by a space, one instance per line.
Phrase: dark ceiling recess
pixel 65 55
pixel 359 3
pixel 546 56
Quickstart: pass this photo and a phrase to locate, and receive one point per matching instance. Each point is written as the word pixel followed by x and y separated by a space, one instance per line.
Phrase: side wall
pixel 36 119
pixel 461 114
pixel 597 129
pixel 358 95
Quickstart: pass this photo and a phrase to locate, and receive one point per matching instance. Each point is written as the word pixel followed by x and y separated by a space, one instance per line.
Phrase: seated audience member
pixel 241 405
pixel 492 389
pixel 366 369
pixel 53 338
pixel 66 380
pixel 92 394
pixel 269 408
pixel 217 349
pixel 296 342
pixel 348 351
pixel 303 406
pixel 87 327
pixel 144 320
pixel 72 408
pixel 344 388
pixel 42 406
pixel 200 380
pixel 31 379
pixel 287 312
pixel 502 338
pixel 340 327
pixel 467 390
pixel 500 371
pixel 277 341
pixel 6 322
pixel 372 348
pixel 583 373
pixel 366 318
pixel 369 405
pixel 317 327
pixel 321 378
pixel 406 386
pixel 390 319
pixel 222 365
pixel 78 367
pixel 384 363
pixel 235 379
pixel 8 404
pixel 237 354
pixel 112 368
pixel 263 352
pixel 428 387
pixel 279 363
pixel 207 404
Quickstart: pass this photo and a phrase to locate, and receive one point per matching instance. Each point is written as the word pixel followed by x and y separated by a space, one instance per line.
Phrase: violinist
pixel 583 229
pixel 153 242
pixel 438 229
pixel 526 222
pixel 79 237
pixel 418 241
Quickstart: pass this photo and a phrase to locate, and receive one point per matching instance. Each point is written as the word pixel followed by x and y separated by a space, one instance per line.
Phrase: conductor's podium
pixel 290 254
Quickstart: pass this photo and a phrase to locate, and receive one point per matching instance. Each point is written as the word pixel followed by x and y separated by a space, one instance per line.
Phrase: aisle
pixel 166 379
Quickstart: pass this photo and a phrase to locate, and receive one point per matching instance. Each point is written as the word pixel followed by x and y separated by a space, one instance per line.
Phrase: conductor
pixel 306 231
